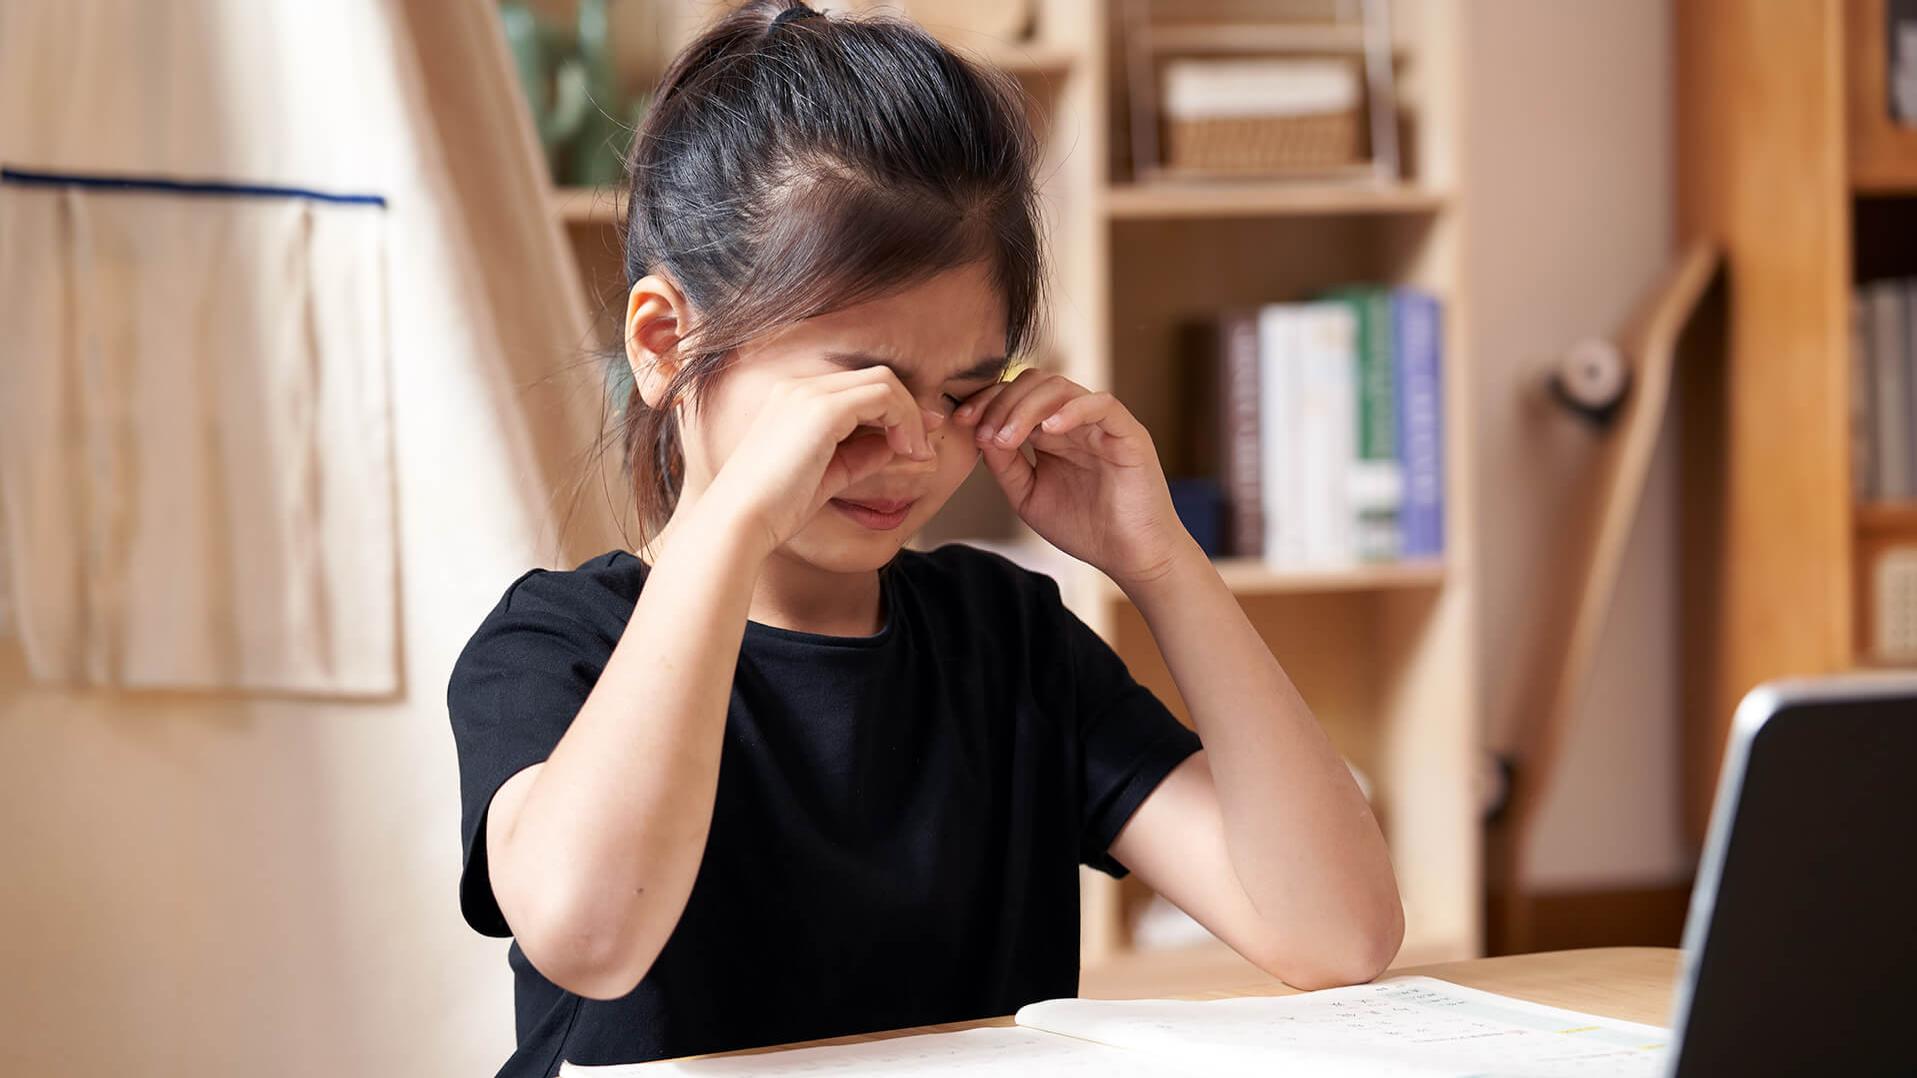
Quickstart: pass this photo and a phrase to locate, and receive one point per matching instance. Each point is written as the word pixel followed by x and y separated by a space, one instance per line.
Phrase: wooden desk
pixel 1632 983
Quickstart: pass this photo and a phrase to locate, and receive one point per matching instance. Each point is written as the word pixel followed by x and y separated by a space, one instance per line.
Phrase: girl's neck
pixel 792 594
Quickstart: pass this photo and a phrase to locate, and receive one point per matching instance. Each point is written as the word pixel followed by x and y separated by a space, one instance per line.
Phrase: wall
pixel 1569 166
pixel 201 887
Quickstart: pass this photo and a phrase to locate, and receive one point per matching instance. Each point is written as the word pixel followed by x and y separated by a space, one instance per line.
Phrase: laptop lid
pixel 1800 948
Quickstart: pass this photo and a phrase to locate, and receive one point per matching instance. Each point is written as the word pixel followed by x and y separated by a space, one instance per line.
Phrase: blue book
pixel 1417 345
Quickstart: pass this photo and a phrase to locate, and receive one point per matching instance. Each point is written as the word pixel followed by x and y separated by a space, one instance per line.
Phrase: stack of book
pixel 1319 426
pixel 1884 390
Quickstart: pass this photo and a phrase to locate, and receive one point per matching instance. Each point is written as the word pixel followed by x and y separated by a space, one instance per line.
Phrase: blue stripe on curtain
pixel 182 187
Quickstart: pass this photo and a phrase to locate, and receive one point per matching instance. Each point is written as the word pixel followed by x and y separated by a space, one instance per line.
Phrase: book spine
pixel 1905 292
pixel 1893 418
pixel 1277 371
pixel 1418 337
pixel 1241 456
pixel 1863 419
pixel 1376 479
pixel 1327 415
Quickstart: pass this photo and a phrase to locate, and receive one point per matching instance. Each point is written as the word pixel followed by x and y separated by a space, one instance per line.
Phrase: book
pixel 1240 459
pixel 1904 343
pixel 1403 1026
pixel 1314 421
pixel 1863 412
pixel 1376 476
pixel 1308 415
pixel 1283 530
pixel 1418 336
pixel 1887 341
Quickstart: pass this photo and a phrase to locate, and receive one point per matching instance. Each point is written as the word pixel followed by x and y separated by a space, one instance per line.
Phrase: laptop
pixel 1800 947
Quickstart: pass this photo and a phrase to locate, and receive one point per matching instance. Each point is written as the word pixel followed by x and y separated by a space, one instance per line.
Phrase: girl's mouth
pixel 883 517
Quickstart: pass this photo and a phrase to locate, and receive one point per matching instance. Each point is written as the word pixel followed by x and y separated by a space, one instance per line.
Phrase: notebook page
pixel 994 1050
pixel 1409 1026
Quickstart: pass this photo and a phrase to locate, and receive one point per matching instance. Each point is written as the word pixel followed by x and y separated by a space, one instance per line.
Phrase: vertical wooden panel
pixel 1762 169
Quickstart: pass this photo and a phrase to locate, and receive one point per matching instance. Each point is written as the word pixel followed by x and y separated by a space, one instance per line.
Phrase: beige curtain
pixel 201 386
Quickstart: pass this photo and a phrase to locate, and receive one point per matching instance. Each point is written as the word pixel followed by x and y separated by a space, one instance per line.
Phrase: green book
pixel 1375 480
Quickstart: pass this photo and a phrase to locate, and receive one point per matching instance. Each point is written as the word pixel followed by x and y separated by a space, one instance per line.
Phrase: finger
pixel 885 404
pixel 992 416
pixel 974 405
pixel 1026 413
pixel 856 458
pixel 874 397
pixel 1014 473
pixel 1079 412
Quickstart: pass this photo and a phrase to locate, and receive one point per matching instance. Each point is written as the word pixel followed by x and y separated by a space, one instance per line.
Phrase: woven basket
pixel 1259 144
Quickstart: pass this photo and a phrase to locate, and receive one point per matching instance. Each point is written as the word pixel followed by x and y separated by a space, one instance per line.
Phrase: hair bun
pixel 796 11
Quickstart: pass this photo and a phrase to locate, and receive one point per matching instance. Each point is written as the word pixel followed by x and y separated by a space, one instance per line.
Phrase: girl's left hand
pixel 1096 489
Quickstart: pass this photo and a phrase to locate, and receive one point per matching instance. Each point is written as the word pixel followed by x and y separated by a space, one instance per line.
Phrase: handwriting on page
pixel 1412 1026
pixel 995 1050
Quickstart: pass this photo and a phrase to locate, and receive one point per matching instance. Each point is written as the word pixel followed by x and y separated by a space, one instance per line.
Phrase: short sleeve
pixel 1128 740
pixel 515 688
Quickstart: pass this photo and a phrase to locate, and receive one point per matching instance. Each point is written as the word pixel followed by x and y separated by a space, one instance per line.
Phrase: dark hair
pixel 794 163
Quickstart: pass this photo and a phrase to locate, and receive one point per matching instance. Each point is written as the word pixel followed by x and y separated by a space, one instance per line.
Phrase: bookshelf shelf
pixel 1887 518
pixel 1169 199
pixel 1253 576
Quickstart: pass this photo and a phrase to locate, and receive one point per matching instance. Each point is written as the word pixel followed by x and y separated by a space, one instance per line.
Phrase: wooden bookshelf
pixel 1883 154
pixel 1778 554
pixel 1385 653
pixel 1251 576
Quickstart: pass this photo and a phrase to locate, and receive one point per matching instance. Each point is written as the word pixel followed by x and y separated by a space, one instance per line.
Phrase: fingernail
pixel 985 433
pixel 1003 437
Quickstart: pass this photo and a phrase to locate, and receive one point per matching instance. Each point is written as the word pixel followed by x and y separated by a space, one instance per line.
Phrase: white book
pixel 1277 367
pixel 1326 412
pixel 1308 431
pixel 1405 1027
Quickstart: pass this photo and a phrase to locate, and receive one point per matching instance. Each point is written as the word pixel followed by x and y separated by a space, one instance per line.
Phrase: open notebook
pixel 1405 1026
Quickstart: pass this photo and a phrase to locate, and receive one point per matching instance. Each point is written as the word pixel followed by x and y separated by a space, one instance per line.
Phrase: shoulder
pixel 582 610
pixel 594 591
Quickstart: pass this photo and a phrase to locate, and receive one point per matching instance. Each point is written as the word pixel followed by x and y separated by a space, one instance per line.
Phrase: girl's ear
pixel 657 317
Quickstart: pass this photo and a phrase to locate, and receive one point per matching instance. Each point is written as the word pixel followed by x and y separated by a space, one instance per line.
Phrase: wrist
pixel 717 524
pixel 1174 572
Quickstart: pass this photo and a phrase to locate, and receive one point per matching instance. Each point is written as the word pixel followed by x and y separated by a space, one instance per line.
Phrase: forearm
pixel 609 836
pixel 1302 839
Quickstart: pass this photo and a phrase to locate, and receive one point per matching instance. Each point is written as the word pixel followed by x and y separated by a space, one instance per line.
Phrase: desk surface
pixel 1632 983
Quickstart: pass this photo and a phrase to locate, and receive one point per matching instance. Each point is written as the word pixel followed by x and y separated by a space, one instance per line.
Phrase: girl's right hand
pixel 812 439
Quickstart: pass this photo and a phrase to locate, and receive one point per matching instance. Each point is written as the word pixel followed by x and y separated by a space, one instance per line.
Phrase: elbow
pixel 588 952
pixel 1355 953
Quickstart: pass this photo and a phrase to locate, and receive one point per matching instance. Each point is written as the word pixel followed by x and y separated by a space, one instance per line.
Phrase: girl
pixel 777 777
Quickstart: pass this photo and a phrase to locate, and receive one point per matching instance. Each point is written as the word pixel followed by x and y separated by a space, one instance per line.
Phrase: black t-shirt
pixel 899 818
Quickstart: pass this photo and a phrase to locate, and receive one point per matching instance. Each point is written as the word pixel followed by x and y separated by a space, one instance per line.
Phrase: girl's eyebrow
pixel 988 367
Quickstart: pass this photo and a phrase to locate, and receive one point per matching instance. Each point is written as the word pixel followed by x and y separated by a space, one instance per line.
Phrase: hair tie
pixel 796 11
